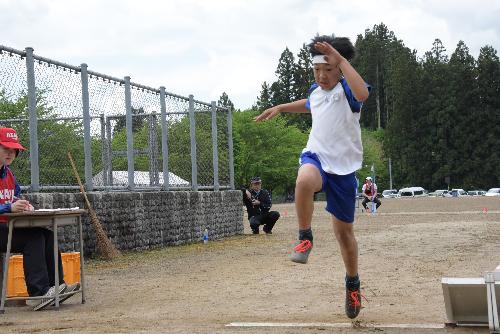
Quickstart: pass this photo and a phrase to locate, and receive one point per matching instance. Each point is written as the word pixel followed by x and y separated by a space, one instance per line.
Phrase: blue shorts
pixel 340 190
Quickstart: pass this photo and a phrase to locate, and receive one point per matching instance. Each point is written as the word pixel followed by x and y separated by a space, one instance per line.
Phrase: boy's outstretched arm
pixel 354 80
pixel 293 107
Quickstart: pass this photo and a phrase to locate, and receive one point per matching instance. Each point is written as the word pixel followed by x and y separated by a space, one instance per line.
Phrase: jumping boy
pixel 36 244
pixel 333 153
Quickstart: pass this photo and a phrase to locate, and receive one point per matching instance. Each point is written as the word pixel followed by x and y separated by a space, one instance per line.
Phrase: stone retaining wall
pixel 146 220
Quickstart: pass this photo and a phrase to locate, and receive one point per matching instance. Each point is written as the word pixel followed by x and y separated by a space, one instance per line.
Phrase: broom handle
pixel 82 190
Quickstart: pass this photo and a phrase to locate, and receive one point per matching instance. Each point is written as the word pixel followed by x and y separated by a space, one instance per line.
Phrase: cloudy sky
pixel 206 47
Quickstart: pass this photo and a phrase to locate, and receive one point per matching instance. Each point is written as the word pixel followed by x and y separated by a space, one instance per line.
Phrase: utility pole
pixel 390 174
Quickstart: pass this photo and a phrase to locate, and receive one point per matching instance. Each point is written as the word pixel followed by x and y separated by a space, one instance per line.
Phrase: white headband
pixel 319 59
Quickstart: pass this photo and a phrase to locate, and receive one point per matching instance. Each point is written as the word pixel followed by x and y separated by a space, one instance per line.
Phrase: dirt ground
pixel 405 250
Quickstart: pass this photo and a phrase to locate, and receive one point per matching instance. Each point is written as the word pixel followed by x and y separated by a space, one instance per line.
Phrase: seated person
pixel 370 193
pixel 258 204
pixel 36 244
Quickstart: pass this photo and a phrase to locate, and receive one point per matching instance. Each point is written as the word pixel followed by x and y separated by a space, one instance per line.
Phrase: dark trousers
pixel 267 219
pixel 37 246
pixel 375 200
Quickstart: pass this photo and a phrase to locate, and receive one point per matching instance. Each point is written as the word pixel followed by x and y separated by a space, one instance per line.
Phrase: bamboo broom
pixel 107 250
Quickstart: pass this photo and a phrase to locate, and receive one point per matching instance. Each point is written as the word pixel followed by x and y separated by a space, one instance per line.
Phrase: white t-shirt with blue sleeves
pixel 335 135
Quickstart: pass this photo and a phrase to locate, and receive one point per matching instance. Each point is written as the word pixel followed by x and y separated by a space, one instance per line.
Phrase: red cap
pixel 8 138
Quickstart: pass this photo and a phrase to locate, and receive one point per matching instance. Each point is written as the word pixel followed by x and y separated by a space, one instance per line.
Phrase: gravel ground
pixel 405 250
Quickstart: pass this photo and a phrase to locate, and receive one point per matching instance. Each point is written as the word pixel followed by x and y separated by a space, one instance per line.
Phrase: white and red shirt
pixel 9 189
pixel 369 190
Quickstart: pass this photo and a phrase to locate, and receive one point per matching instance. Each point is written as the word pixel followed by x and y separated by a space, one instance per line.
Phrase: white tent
pixel 141 179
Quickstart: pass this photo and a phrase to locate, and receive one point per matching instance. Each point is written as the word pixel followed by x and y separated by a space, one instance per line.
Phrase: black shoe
pixel 255 231
pixel 352 302
pixel 266 231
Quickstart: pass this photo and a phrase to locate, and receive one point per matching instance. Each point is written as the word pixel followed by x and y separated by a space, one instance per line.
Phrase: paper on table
pixel 60 209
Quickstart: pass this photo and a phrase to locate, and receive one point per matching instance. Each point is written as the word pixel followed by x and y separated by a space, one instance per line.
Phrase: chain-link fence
pixel 122 135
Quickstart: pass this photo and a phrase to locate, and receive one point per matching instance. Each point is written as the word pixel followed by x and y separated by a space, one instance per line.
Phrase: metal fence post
pixel 215 147
pixel 230 146
pixel 130 134
pixel 109 153
pixel 104 151
pixel 33 120
pixel 192 135
pixel 87 149
pixel 153 163
pixel 164 139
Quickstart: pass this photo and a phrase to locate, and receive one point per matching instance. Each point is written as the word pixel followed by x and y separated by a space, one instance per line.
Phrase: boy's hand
pixel 332 56
pixel 267 114
pixel 20 206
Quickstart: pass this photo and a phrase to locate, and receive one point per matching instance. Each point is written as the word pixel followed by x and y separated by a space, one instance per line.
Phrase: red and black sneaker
pixel 301 251
pixel 352 302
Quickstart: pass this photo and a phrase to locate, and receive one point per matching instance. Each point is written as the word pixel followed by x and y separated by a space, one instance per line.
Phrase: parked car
pixel 493 192
pixel 390 193
pixel 476 192
pixel 458 193
pixel 413 192
pixel 439 193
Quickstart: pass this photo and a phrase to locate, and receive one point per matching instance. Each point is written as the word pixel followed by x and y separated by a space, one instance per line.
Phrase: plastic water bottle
pixel 205 236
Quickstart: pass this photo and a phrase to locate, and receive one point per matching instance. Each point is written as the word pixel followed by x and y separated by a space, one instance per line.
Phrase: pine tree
pixel 303 74
pixel 225 102
pixel 375 50
pixel 487 118
pixel 405 77
pixel 285 73
pixel 465 98
pixel 434 110
pixel 265 98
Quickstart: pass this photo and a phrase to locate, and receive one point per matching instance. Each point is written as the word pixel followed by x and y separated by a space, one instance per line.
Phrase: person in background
pixel 35 243
pixel 258 204
pixel 369 191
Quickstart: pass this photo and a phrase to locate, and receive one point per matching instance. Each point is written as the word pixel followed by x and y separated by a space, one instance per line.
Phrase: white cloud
pixel 207 47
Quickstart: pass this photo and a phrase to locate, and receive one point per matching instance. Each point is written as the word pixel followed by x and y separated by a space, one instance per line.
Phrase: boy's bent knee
pixel 309 179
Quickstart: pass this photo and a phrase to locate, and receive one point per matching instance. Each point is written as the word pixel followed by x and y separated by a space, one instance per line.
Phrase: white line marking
pixel 333 325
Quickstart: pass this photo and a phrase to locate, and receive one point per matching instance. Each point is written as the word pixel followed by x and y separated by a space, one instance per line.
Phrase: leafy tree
pixel 55 139
pixel 373 156
pixel 268 149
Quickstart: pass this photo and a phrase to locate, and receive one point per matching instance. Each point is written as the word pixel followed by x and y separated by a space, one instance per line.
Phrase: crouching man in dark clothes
pixel 258 204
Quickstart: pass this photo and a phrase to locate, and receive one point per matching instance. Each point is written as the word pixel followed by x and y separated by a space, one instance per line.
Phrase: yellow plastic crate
pixel 16 285
pixel 71 267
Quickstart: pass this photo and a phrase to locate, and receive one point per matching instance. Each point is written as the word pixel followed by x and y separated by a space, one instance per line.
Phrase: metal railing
pixel 123 135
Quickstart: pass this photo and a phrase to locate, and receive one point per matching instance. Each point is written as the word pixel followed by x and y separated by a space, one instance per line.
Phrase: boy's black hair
pixel 342 44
